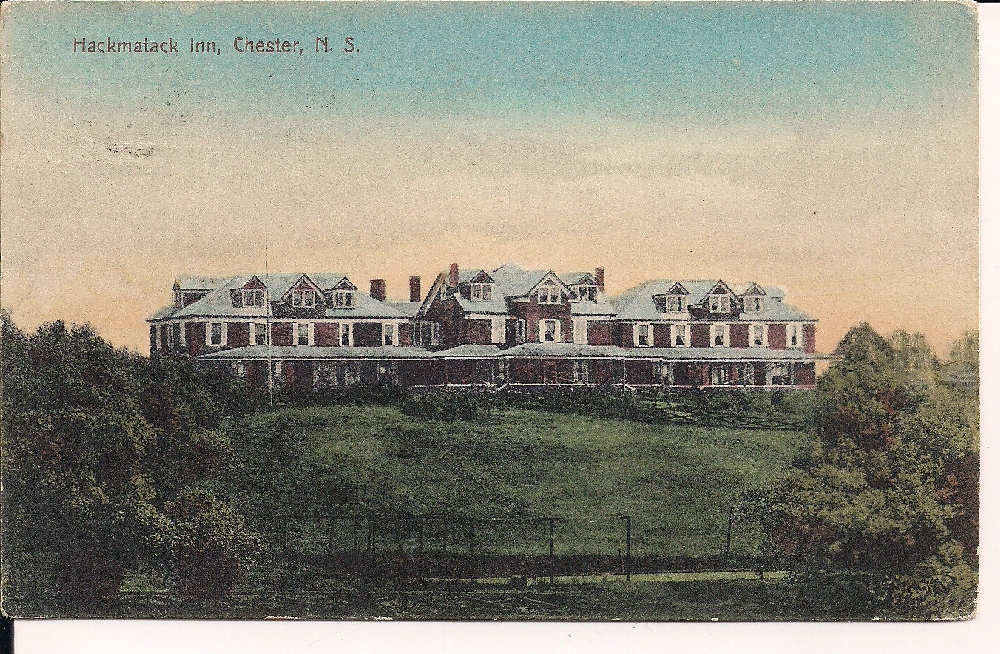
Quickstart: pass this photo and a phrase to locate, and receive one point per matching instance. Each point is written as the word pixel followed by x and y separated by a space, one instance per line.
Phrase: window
pixel 520 331
pixel 581 372
pixel 549 295
pixel 498 330
pixel 720 375
pixel 585 292
pixel 758 334
pixel 680 335
pixel 344 299
pixel 387 334
pixel 482 292
pixel 754 303
pixel 345 334
pixel 260 333
pixel 548 331
pixel 642 335
pixel 215 334
pixel 253 297
pixel 302 333
pixel 304 299
pixel 675 303
pixel 720 335
pixel 793 335
pixel 718 303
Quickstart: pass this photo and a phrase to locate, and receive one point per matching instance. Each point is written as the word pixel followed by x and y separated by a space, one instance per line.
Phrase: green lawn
pixel 677 483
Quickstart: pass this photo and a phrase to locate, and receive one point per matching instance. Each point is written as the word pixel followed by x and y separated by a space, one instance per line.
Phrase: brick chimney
pixel 599 276
pixel 378 290
pixel 453 275
pixel 415 289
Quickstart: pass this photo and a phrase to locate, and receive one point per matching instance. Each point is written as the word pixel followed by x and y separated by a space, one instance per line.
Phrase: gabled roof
pixel 218 302
pixel 637 303
pixel 575 278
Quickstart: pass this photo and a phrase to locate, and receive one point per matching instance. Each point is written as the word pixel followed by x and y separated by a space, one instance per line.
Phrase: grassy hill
pixel 299 466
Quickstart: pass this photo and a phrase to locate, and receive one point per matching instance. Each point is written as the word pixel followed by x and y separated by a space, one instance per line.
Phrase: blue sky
pixel 703 62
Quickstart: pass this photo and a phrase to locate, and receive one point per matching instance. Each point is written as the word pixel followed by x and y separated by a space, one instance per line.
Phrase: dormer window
pixel 585 292
pixel 549 295
pixel 482 292
pixel 304 298
pixel 753 303
pixel 253 297
pixel 675 304
pixel 343 299
pixel 718 304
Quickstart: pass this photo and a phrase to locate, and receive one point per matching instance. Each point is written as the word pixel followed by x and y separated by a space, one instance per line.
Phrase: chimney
pixel 453 275
pixel 599 275
pixel 378 290
pixel 415 288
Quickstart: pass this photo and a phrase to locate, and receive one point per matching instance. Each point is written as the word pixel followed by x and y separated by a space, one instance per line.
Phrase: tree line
pixel 116 464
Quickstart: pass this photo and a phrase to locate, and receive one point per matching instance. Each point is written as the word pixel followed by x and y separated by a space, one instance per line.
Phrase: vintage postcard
pixel 490 311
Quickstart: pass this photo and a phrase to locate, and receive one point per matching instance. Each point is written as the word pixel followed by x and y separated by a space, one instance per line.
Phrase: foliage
pixel 883 509
pixel 97 441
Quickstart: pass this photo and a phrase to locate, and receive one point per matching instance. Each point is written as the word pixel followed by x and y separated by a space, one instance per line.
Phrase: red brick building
pixel 490 327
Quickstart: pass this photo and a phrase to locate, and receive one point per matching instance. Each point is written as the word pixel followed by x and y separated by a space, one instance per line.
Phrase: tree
pixel 872 514
pixel 77 506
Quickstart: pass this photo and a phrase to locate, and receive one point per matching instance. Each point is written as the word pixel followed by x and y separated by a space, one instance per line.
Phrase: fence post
pixel 552 553
pixel 628 548
pixel 729 533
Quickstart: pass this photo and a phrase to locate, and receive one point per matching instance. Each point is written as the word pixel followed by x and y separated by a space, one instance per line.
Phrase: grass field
pixel 677 483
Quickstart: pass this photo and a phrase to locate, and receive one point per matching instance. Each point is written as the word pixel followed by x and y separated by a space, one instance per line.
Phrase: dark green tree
pixel 868 519
pixel 78 508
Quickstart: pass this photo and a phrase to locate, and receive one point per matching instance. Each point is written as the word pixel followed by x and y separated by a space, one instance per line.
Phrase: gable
pixel 549 279
pixel 345 285
pixel 721 288
pixel 482 277
pixel 303 283
pixel 755 289
pixel 677 289
pixel 254 283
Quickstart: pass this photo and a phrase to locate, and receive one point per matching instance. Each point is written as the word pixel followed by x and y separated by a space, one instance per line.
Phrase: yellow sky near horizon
pixel 876 224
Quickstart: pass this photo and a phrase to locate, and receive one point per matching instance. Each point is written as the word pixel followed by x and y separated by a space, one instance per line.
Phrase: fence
pixel 450 547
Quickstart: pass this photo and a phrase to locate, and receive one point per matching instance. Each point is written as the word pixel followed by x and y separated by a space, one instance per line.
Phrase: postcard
pixel 490 311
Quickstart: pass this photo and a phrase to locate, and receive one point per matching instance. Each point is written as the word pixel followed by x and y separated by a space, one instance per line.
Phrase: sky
pixel 830 149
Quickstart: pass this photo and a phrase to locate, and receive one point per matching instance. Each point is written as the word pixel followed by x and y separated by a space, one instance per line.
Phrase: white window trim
pixel 393 329
pixel 557 336
pixel 725 334
pixel 682 304
pixel 302 294
pixel 498 330
pixel 649 334
pixel 759 298
pixel 183 333
pixel 250 292
pixel 548 294
pixel 685 329
pixel 580 329
pixel 208 333
pixel 721 297
pixel 483 289
pixel 350 334
pixel 793 328
pixel 348 300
